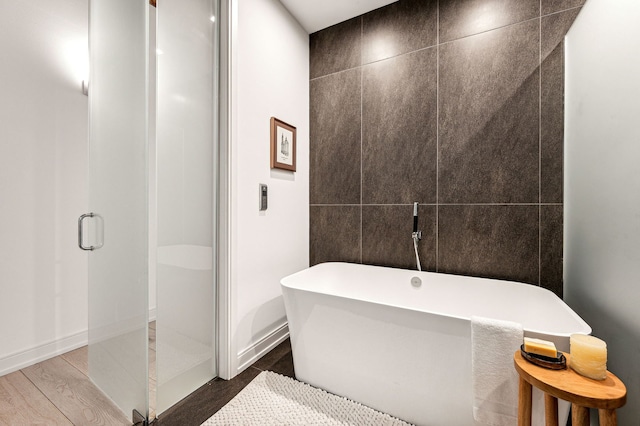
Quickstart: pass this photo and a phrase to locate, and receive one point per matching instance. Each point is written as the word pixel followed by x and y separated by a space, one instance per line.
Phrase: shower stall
pixel 150 229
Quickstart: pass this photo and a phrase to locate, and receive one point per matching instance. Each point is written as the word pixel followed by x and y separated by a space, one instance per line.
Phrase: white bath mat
pixel 272 399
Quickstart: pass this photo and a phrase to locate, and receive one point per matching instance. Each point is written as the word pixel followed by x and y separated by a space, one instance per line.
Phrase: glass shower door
pixel 185 158
pixel 118 200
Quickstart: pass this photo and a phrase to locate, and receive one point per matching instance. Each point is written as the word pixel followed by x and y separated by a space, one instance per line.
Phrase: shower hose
pixel 415 247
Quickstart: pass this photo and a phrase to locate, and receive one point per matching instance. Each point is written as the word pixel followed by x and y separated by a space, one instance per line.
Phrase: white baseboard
pixel 254 352
pixel 22 359
pixel 152 314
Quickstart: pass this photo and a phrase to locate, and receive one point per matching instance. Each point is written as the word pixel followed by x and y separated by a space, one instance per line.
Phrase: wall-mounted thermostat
pixel 263 196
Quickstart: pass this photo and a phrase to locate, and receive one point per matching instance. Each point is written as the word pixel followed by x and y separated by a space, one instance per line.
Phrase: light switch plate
pixel 263 196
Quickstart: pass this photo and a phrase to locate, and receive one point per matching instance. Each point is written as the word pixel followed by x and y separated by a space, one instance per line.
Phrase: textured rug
pixel 272 399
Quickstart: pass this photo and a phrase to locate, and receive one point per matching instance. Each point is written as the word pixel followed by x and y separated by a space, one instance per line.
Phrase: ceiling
pixel 315 15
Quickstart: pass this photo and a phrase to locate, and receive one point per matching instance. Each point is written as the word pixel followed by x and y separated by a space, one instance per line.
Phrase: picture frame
pixel 283 145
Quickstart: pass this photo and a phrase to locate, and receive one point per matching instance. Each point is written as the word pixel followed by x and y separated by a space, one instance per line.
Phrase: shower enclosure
pixel 150 227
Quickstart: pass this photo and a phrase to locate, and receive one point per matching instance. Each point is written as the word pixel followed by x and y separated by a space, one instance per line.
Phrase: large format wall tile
pixel 553 29
pixel 386 236
pixel 336 48
pixel 462 18
pixel 497 241
pixel 489 112
pixel 486 162
pixel 552 6
pixel 551 251
pixel 401 27
pixel 399 130
pixel 552 127
pixel 335 234
pixel 335 146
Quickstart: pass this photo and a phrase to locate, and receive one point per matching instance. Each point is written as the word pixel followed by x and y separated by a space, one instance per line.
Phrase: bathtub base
pixel 414 365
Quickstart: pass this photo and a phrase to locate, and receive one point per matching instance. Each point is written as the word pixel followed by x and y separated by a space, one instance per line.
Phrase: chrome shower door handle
pixel 80 233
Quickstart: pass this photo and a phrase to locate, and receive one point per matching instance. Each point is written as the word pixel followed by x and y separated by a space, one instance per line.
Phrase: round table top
pixel 568 385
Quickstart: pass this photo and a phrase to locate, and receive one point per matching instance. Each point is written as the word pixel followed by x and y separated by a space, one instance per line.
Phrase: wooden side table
pixel 583 393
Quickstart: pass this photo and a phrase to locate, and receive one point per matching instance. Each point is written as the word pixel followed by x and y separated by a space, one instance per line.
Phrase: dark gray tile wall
pixel 551 247
pixel 402 27
pixel 336 48
pixel 552 6
pixel 553 29
pixel 399 129
pixel 384 235
pixel 462 18
pixel 335 128
pixel 335 233
pixel 457 105
pixel 496 241
pixel 489 109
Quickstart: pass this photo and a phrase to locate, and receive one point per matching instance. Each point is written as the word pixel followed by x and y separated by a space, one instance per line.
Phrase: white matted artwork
pixel 284 152
pixel 283 145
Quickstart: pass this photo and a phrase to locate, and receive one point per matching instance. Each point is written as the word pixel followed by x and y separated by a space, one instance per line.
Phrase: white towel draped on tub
pixel 495 380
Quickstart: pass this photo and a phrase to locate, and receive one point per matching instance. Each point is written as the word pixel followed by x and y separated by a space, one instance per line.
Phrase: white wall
pixel 270 70
pixel 43 176
pixel 43 179
pixel 602 183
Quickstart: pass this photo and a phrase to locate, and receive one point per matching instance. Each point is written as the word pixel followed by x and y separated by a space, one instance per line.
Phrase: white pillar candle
pixel 588 356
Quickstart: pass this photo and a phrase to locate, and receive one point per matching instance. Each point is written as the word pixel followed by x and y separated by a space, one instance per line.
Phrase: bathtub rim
pixel 287 281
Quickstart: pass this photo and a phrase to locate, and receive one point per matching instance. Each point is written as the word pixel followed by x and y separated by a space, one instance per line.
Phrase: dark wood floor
pixel 208 399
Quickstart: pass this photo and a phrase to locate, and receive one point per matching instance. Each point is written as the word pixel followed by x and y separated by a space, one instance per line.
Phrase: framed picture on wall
pixel 283 145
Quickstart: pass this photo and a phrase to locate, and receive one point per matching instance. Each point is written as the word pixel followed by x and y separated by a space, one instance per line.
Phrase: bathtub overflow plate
pixel 416 282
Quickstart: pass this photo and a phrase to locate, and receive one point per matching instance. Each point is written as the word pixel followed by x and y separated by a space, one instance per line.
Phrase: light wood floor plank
pixel 152 338
pixel 79 359
pixel 21 403
pixel 152 365
pixel 152 383
pixel 152 399
pixel 152 370
pixel 74 394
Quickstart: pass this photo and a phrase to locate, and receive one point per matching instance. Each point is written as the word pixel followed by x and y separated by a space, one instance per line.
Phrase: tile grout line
pixel 361 132
pixel 438 43
pixel 542 15
pixel 437 224
pixel 540 148
pixel 439 204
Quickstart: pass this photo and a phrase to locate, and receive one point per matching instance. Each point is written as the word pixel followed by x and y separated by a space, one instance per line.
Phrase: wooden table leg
pixel 608 417
pixel 524 403
pixel 550 410
pixel 579 415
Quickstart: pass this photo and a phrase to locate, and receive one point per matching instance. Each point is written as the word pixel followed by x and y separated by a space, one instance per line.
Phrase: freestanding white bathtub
pixel 367 333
